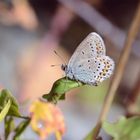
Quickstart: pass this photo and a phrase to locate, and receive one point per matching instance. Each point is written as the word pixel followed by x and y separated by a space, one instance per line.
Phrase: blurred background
pixel 30 31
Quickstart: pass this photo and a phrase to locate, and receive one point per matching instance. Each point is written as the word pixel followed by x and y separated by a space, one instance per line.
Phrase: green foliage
pixel 4 110
pixel 91 135
pixel 20 128
pixel 60 87
pixel 124 129
pixel 9 126
pixel 8 105
pixel 8 110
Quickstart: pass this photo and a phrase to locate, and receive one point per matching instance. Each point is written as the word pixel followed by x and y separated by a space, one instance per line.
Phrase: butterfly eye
pixel 63 67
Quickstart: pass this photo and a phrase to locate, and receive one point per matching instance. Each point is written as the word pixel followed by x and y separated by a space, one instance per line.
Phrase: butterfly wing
pixel 92 71
pixel 90 47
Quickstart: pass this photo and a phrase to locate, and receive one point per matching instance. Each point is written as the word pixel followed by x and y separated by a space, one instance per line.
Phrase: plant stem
pixel 5 135
pixel 133 31
pixel 24 117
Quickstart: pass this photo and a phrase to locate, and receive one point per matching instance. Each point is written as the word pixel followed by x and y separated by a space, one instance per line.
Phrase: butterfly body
pixel 89 63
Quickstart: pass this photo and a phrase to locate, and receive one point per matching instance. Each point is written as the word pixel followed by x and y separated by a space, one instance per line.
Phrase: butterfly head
pixel 64 67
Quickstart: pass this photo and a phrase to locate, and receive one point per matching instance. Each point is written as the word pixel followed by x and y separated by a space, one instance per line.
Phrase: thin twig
pixel 133 31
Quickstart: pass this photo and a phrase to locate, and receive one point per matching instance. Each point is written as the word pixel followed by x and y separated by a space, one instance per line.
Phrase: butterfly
pixel 89 63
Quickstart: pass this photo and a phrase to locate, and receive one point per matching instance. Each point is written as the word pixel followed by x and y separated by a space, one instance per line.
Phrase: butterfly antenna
pixel 56 65
pixel 60 57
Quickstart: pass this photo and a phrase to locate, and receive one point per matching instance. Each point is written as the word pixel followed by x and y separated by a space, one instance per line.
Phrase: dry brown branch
pixel 133 31
pixel 102 25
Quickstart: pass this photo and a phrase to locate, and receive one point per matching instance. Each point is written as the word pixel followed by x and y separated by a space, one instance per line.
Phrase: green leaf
pixel 5 110
pixel 124 129
pixel 9 126
pixel 20 128
pixel 60 87
pixel 91 135
pixel 5 96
